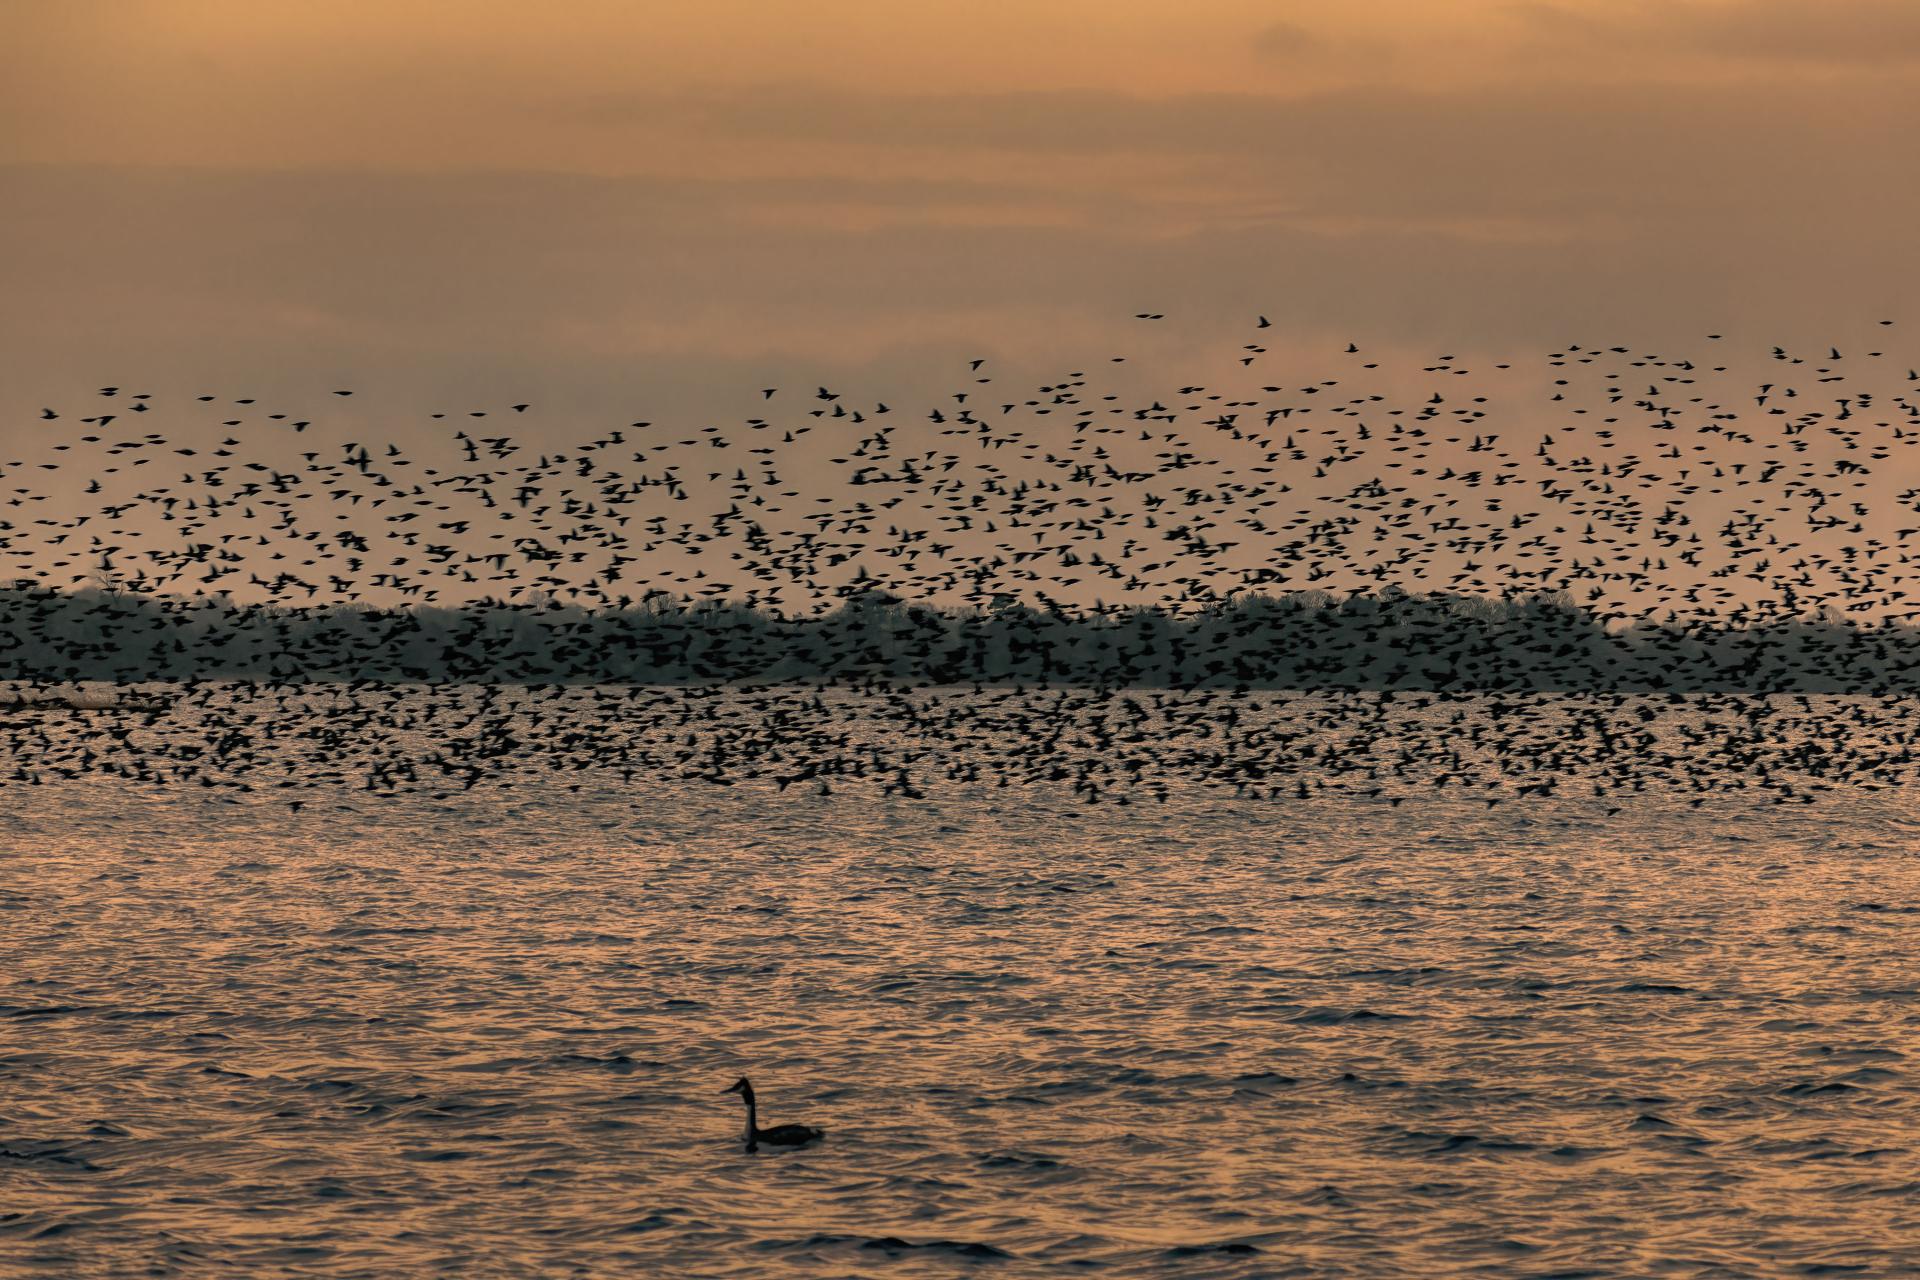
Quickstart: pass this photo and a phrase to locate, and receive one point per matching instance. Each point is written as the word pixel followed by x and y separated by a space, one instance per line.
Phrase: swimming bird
pixel 784 1135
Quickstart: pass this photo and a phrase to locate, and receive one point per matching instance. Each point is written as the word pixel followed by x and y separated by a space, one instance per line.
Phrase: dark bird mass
pixel 1606 530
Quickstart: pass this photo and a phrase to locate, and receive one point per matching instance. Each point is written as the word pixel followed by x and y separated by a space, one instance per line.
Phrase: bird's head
pixel 741 1087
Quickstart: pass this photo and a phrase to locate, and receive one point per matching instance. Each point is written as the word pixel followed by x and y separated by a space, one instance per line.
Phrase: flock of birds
pixel 1640 485
pixel 335 747
pixel 1687 494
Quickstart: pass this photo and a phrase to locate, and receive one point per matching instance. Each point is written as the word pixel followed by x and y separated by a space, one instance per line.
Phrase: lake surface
pixel 1332 1025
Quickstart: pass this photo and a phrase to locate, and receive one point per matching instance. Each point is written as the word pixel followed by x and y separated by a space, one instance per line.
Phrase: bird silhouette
pixel 786 1136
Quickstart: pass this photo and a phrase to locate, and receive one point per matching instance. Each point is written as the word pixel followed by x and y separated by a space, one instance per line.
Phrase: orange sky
pixel 750 178
pixel 613 87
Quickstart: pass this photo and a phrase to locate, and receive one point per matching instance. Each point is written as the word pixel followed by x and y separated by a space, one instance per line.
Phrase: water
pixel 1215 1035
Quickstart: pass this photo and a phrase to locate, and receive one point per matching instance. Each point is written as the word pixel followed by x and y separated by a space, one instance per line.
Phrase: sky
pixel 409 188
pixel 616 208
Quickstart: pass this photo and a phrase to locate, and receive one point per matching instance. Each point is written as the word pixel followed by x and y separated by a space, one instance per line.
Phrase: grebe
pixel 785 1135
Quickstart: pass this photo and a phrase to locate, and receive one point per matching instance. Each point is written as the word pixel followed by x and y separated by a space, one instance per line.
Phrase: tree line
pixel 1391 639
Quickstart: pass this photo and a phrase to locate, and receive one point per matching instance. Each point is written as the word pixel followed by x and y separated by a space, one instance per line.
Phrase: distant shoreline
pixel 1387 642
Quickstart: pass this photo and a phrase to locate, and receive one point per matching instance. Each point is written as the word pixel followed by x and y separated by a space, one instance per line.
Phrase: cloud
pixel 1852 31
pixel 1287 40
pixel 1858 33
pixel 1656 155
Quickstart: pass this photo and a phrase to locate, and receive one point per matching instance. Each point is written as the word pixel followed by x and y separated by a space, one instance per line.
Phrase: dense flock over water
pixel 1430 820
pixel 310 743
pixel 1652 1013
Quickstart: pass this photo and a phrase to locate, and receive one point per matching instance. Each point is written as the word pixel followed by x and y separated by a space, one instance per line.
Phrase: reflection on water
pixel 1219 1036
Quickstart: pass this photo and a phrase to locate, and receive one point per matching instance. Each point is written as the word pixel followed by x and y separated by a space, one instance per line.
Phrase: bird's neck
pixel 752 1118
